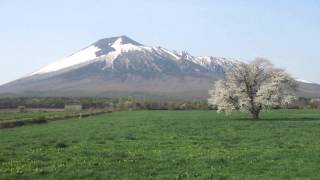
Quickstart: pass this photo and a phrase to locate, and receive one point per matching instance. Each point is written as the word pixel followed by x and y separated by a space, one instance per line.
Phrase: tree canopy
pixel 252 87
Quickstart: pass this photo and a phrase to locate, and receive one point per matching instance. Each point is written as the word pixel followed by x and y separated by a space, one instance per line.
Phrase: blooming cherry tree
pixel 252 87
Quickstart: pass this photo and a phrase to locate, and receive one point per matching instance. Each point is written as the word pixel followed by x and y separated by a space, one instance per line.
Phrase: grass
pixel 285 144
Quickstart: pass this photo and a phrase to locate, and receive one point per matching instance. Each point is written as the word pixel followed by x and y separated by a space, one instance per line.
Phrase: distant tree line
pixel 127 103
pixel 124 103
pixel 53 102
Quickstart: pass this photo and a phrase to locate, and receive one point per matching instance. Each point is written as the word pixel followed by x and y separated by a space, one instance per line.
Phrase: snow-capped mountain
pixel 106 49
pixel 117 51
pixel 304 81
pixel 120 66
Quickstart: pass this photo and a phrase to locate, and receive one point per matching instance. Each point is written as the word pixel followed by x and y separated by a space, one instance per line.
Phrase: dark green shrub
pixel 39 120
pixel 61 145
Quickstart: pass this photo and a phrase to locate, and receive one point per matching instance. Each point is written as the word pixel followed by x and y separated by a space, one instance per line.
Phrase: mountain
pixel 122 56
pixel 120 66
pixel 308 89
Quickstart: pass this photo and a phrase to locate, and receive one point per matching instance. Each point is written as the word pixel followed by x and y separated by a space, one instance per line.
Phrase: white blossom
pixel 253 87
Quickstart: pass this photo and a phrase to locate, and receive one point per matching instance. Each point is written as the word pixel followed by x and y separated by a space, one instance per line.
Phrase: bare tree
pixel 252 87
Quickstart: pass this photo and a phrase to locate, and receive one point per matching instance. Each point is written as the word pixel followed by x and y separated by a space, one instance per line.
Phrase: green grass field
pixel 166 145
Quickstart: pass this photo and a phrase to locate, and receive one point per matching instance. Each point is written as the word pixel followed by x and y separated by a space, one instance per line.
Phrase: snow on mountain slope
pixel 110 49
pixel 168 52
pixel 214 63
pixel 120 47
pixel 304 81
pixel 83 56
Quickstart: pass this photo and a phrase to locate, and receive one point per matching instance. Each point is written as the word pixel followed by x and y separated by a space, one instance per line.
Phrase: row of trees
pixel 53 102
pixel 122 103
pixel 127 103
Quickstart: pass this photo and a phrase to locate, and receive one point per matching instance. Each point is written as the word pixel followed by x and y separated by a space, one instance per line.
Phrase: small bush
pixel 13 124
pixel 39 120
pixel 61 145
pixel 131 137
pixel 19 123
pixel 7 125
pixel 314 103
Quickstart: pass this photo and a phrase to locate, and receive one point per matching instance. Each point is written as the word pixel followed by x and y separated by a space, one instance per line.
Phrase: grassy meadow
pixel 285 144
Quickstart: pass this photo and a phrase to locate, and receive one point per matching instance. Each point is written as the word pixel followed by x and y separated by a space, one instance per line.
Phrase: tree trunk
pixel 255 115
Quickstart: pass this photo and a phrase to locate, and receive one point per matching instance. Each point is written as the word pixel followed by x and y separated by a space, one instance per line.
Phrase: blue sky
pixel 34 33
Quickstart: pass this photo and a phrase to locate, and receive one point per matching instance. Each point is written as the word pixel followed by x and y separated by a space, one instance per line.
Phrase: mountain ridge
pixel 121 66
pixel 111 48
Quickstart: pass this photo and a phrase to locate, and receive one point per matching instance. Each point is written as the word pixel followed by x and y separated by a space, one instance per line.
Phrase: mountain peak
pixel 120 66
pixel 108 42
pixel 110 47
pixel 106 45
